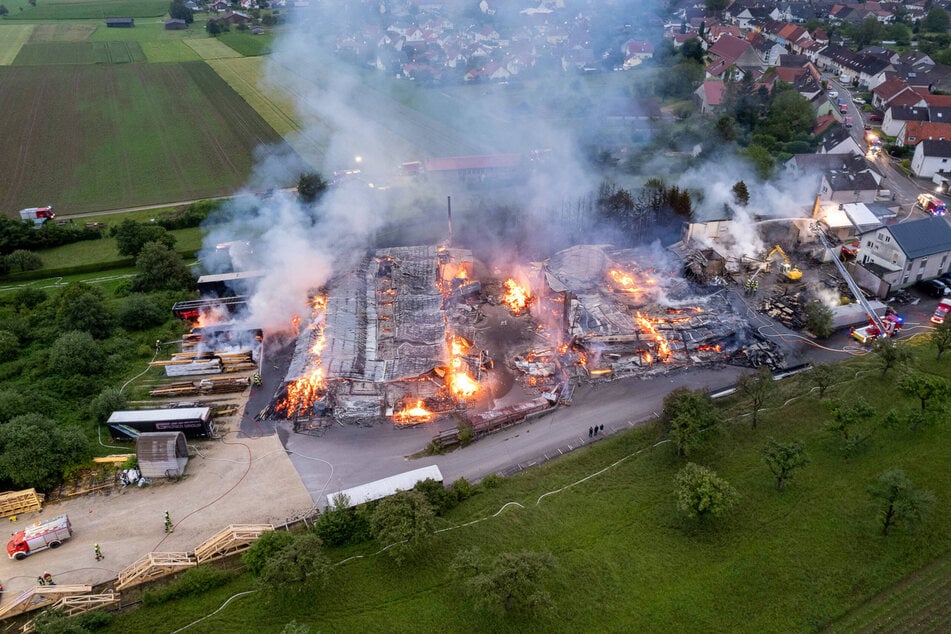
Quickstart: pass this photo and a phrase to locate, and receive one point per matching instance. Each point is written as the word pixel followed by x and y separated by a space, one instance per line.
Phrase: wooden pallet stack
pixel 211 385
pixel 17 502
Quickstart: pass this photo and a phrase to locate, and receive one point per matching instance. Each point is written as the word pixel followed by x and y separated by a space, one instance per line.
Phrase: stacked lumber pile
pixel 211 385
pixel 184 363
pixel 17 502
pixel 789 310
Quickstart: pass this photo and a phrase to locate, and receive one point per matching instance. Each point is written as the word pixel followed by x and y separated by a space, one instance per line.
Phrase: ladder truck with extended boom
pixel 887 326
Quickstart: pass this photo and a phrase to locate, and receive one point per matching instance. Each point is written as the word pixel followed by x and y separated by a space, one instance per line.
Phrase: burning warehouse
pixel 626 311
pixel 390 337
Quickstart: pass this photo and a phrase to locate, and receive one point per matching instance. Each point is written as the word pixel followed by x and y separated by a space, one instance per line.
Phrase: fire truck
pixel 44 534
pixel 38 215
pixel 885 326
pixel 941 312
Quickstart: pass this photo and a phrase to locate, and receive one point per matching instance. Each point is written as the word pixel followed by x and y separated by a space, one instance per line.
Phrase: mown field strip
pixel 211 48
pixel 12 37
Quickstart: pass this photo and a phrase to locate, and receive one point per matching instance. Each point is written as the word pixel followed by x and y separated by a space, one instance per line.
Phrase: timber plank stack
pixel 230 361
pixel 17 502
pixel 211 385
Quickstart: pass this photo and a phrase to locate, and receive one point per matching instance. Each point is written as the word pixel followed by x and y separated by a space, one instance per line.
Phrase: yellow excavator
pixel 791 272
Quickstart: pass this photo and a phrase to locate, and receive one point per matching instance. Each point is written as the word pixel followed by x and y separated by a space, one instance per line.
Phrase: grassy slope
pixel 122 135
pixel 786 562
pixel 211 48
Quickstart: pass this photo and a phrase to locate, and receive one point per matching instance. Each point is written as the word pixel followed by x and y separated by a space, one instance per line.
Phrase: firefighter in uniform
pixel 98 553
pixel 168 523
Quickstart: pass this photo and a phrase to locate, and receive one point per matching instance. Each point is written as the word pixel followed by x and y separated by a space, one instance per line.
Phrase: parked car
pixel 945 278
pixel 858 100
pixel 933 288
pixel 875 117
pixel 833 94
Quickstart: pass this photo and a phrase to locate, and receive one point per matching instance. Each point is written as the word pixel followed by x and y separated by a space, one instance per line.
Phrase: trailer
pixel 194 422
pixel 228 284
pixel 39 536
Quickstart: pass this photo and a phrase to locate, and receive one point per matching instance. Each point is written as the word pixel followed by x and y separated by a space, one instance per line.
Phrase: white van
pixel 833 94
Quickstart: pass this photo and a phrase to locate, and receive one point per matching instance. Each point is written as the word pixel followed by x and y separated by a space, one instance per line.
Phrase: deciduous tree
pixel 941 337
pixel 701 493
pixel 131 237
pixel 824 376
pixel 76 353
pixel 784 458
pixel 179 11
pixel 759 388
pixel 105 403
pixel 819 319
pixel 688 414
pixel 263 550
pixel 936 21
pixel 34 451
pixel 897 499
pixel 927 389
pixel 299 563
pixel 402 522
pixel 889 354
pixel 140 311
pixel 509 580
pixel 23 260
pixel 160 268
pixel 82 307
pixel 9 346
pixel 845 421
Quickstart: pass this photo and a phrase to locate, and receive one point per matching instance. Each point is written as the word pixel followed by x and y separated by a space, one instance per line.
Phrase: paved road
pixel 905 188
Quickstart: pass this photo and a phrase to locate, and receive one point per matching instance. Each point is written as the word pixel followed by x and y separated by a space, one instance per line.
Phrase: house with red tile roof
pixel 709 96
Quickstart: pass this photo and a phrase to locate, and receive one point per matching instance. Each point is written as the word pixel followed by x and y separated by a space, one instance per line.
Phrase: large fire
pixel 411 415
pixel 307 390
pixel 663 346
pixel 517 297
pixel 628 282
pixel 460 383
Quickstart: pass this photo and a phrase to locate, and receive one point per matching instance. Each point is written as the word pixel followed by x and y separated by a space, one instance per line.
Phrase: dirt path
pixel 233 481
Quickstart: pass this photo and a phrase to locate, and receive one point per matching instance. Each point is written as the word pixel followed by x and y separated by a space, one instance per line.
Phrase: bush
pixel 263 550
pixel 439 497
pixel 491 481
pixel 193 581
pixel 819 319
pixel 76 353
pixel 28 297
pixel 9 346
pixel 108 401
pixel 463 489
pixel 189 217
pixel 339 525
pixel 140 312
pixel 466 433
pixel 23 260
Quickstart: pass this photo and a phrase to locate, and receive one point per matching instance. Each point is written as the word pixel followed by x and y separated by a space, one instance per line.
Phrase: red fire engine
pixel 50 533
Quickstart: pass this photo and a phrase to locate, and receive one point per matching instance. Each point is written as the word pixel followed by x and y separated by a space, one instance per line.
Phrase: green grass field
pixel 169 51
pixel 95 137
pixel 148 31
pixel 211 48
pixel 104 251
pixel 796 561
pixel 68 32
pixel 12 37
pixel 247 44
pixel 51 53
pixel 85 9
pixel 244 76
pixel 919 603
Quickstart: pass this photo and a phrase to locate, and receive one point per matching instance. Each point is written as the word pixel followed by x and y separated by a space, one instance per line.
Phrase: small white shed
pixel 162 454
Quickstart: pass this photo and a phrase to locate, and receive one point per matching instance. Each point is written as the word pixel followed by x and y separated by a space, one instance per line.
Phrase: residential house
pixel 887 91
pixel 850 182
pixel 709 95
pixel 838 140
pixel 769 51
pixel 931 157
pixel 896 117
pixel 917 131
pixel 898 255
pixel 730 55
pixel 219 5
pixel 636 51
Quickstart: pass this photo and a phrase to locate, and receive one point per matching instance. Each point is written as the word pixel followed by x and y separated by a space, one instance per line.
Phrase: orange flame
pixel 303 393
pixel 517 297
pixel 318 302
pixel 463 385
pixel 663 347
pixel 415 414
